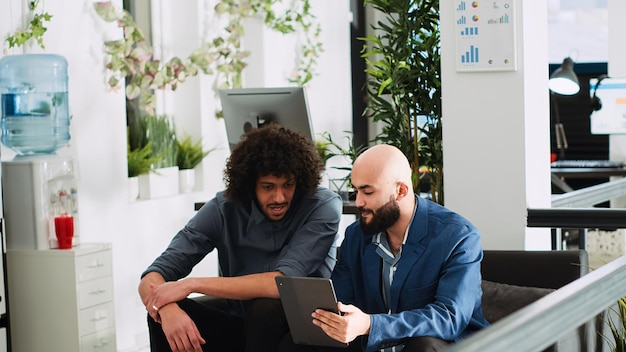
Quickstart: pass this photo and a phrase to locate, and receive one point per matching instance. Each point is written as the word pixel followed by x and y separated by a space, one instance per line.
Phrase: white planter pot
pixel 186 180
pixel 133 188
pixel 159 183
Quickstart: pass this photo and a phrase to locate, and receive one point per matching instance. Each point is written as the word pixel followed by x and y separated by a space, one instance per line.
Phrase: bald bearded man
pixel 408 275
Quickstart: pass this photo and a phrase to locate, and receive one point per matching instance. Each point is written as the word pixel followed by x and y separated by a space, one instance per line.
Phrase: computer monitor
pixel 248 108
pixel 608 102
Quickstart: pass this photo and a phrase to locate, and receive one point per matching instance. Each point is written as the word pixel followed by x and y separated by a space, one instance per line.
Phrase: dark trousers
pixel 260 329
pixel 415 344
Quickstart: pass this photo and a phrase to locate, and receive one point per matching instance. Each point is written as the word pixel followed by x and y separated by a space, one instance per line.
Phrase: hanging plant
pixel 34 30
pixel 131 58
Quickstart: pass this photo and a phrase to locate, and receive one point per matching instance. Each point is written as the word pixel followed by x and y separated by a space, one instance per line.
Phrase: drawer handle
pixel 95 320
pixel 101 344
pixel 95 266
pixel 97 292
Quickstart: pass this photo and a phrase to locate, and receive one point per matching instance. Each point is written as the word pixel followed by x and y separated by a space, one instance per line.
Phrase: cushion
pixel 500 300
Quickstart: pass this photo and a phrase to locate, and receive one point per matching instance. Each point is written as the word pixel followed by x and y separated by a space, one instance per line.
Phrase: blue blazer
pixel 436 287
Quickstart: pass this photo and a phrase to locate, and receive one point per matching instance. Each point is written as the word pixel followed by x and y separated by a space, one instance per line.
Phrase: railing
pixel 575 210
pixel 577 305
pixel 590 196
pixel 551 318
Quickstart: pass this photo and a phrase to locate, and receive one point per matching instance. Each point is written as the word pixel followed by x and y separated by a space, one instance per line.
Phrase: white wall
pixel 140 230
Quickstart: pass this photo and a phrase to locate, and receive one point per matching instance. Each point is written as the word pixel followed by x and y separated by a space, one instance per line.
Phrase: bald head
pixel 382 178
pixel 384 163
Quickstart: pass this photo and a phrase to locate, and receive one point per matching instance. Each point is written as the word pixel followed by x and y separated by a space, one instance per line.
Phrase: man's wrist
pixel 189 285
pixel 167 308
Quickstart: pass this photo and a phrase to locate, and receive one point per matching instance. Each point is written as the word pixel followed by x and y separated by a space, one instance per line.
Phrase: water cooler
pixel 38 186
pixel 36 190
pixel 59 291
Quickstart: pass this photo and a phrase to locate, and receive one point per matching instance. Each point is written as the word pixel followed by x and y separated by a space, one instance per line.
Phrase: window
pixel 578 29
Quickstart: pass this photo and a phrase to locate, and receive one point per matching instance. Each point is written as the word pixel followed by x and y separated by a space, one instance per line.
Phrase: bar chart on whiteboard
pixel 485 35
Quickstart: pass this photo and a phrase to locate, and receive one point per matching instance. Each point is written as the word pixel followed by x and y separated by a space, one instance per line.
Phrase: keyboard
pixel 587 164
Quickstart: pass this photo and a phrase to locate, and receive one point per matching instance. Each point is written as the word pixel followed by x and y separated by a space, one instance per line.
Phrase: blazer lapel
pixel 411 251
pixel 373 275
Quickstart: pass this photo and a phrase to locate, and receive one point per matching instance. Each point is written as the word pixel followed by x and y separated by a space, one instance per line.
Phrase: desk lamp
pixel 562 81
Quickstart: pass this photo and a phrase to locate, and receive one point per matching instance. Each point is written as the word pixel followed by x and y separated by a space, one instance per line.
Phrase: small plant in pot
pixel 140 160
pixel 158 132
pixel 189 154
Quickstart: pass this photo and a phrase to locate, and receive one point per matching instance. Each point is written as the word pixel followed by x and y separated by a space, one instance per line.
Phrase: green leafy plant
pixel 158 132
pixel 335 149
pixel 190 153
pixel 404 84
pixel 35 29
pixel 131 58
pixel 140 160
pixel 322 150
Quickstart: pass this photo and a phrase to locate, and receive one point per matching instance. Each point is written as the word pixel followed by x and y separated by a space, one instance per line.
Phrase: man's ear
pixel 402 190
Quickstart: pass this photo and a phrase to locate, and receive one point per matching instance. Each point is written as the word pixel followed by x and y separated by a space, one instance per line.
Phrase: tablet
pixel 300 296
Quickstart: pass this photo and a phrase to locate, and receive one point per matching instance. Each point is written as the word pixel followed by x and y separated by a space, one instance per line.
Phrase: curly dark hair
pixel 275 150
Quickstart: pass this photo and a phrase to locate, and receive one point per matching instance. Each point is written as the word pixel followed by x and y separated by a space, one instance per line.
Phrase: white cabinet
pixel 61 300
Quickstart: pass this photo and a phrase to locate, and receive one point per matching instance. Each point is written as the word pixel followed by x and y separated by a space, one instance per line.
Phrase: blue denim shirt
pixel 300 244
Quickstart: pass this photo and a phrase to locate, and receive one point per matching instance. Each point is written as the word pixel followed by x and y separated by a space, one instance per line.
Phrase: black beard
pixel 382 218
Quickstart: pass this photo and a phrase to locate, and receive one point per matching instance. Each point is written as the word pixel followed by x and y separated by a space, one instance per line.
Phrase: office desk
pixel 348 207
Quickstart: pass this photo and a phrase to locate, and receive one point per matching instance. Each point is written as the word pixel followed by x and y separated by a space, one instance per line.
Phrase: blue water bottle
pixel 34 99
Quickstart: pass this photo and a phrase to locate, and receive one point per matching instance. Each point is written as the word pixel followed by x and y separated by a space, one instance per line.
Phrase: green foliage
pixel 404 85
pixel 322 150
pixel 159 133
pixel 35 30
pixel 335 149
pixel 140 160
pixel 190 153
pixel 131 58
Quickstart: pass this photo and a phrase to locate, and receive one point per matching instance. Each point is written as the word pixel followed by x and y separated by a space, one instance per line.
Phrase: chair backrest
pixel 546 269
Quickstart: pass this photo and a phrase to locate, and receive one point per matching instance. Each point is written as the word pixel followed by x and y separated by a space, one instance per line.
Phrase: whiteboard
pixel 485 35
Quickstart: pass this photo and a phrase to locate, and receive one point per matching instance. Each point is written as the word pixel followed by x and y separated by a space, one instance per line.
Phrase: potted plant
pixel 157 132
pixel 139 162
pixel 404 85
pixel 189 154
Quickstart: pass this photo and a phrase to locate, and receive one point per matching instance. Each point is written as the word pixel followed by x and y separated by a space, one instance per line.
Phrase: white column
pixel 496 133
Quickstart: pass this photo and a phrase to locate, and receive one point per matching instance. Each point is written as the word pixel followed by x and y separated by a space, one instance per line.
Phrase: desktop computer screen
pixel 608 115
pixel 248 108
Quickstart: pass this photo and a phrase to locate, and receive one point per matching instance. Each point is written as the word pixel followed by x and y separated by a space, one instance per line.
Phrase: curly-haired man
pixel 272 219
